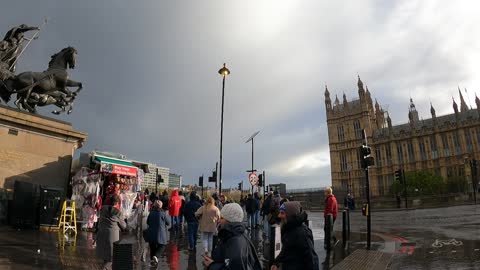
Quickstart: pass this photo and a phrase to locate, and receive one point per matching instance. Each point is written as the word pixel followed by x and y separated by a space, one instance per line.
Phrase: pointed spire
pixel 463 104
pixel 361 91
pixel 359 83
pixel 344 98
pixel 336 100
pixel 477 101
pixel 377 106
pixel 412 112
pixel 327 93
pixel 455 106
pixel 412 105
pixel 389 120
pixel 432 110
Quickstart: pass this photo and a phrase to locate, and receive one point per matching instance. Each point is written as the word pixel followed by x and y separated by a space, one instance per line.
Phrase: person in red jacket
pixel 174 205
pixel 331 207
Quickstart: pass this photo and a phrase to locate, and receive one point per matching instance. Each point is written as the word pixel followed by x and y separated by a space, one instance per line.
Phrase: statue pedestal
pixel 36 149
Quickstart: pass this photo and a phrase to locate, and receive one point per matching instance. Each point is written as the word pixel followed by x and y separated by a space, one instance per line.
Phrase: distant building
pixel 149 179
pixel 281 188
pixel 442 145
pixel 175 181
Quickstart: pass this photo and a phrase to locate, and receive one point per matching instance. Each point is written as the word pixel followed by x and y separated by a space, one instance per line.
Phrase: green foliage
pixel 420 183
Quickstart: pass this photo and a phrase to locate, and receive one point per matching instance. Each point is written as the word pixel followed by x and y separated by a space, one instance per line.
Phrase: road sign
pixel 253 178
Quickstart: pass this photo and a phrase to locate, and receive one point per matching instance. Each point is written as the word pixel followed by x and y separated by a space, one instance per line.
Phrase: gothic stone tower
pixel 345 122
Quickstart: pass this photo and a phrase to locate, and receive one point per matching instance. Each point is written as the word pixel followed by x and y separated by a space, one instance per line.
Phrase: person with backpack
pixel 234 251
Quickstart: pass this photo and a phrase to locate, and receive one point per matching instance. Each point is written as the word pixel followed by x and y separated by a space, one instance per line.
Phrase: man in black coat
pixel 192 223
pixel 297 251
pixel 251 206
pixel 234 251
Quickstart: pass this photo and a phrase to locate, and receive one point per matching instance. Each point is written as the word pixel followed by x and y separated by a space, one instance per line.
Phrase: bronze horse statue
pixel 44 88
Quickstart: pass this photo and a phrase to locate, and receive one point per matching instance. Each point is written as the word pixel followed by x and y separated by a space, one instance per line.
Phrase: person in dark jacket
pixel 192 223
pixel 297 251
pixel 234 251
pixel 251 206
pixel 164 198
pixel 157 230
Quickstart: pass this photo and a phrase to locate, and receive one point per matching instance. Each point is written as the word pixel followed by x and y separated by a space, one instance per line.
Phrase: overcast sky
pixel 152 91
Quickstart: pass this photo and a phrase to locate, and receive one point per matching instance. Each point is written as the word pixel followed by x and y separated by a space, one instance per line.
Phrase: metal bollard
pixel 328 232
pixel 344 228
pixel 348 222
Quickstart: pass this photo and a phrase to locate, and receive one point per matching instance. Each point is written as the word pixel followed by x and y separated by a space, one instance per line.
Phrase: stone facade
pixel 36 149
pixel 442 145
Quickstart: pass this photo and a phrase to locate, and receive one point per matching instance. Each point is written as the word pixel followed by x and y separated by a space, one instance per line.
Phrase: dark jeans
pixel 155 248
pixel 192 234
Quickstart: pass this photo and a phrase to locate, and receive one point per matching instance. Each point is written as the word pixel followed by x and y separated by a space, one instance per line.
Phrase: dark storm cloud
pixel 152 90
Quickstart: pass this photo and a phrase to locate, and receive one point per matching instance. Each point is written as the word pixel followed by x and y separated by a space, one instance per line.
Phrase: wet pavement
pixel 31 249
pixel 443 238
pixel 440 238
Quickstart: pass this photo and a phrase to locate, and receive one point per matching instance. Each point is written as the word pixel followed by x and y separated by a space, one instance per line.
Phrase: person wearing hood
pixel 174 205
pixel 298 250
pixel 192 222
pixel 157 222
pixel 234 251
pixel 109 226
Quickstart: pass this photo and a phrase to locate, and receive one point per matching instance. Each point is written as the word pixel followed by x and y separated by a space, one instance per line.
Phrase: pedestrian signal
pixel 365 209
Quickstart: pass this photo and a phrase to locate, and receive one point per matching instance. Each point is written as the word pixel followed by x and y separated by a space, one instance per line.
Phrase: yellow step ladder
pixel 68 218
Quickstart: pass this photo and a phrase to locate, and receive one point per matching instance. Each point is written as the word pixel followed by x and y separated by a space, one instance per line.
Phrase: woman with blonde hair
pixel 208 216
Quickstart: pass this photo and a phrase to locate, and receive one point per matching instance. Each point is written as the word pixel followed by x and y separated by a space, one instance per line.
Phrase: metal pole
pixel 216 178
pixel 156 183
pixel 369 216
pixel 264 184
pixel 221 137
pixel 344 228
pixel 252 164
pixel 473 164
pixel 405 188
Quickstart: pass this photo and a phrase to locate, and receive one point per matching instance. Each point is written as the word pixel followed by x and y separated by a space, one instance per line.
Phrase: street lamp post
pixel 224 71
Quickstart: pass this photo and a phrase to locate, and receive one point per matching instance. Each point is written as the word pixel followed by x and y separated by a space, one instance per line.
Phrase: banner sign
pixel 118 169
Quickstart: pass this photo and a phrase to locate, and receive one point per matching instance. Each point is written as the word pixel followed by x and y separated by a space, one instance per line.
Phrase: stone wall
pixel 36 149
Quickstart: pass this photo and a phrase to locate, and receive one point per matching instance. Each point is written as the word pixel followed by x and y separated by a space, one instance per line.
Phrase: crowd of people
pixel 222 226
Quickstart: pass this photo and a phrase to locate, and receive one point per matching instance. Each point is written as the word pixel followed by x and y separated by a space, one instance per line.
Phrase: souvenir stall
pixel 93 187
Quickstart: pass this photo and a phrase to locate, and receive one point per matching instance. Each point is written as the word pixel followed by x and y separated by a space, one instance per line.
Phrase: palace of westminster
pixel 442 145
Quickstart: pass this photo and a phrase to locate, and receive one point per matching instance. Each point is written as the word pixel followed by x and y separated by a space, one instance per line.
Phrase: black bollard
pixel 348 222
pixel 328 232
pixel 344 228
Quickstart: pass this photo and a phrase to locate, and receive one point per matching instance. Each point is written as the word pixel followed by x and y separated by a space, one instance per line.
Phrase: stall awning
pixel 116 166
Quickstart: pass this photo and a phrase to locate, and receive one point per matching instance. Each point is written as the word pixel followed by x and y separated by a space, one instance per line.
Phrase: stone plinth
pixel 36 149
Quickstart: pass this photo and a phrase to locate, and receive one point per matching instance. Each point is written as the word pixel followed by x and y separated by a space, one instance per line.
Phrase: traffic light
pixel 200 181
pixel 159 178
pixel 213 178
pixel 260 180
pixel 398 175
pixel 365 159
pixel 240 186
pixel 365 209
